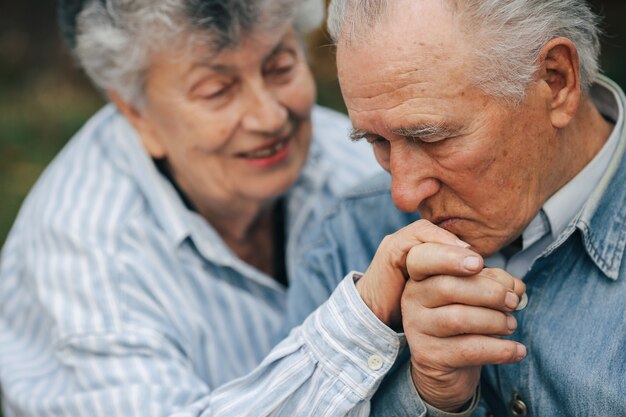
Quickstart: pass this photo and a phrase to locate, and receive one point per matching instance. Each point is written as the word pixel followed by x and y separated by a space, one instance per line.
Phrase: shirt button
pixel 518 407
pixel 375 362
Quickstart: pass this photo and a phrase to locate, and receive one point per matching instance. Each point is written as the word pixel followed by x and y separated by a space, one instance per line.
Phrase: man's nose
pixel 264 113
pixel 412 179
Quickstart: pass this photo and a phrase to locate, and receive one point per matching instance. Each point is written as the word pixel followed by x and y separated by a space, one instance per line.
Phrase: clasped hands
pixel 453 310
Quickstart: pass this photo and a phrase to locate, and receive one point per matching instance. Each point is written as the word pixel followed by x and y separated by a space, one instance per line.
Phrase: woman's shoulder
pixel 86 190
pixel 86 222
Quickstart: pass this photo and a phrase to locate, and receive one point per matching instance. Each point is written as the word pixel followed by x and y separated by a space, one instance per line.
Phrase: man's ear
pixel 560 70
pixel 141 124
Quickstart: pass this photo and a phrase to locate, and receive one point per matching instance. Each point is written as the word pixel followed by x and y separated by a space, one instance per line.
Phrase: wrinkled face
pixel 234 127
pixel 465 161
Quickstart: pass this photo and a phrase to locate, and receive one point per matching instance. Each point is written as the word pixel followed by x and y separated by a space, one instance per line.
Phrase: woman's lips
pixel 265 151
pixel 268 156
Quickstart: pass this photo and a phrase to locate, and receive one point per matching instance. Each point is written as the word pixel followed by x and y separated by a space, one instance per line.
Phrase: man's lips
pixel 445 222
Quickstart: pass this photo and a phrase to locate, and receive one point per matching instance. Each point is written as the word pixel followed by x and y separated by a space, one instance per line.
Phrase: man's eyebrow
pixel 358 134
pixel 417 131
pixel 427 131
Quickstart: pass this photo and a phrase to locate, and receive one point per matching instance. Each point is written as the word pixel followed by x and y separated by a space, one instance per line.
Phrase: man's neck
pixel 582 140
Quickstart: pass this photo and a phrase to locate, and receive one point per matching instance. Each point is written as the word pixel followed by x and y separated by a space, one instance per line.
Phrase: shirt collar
pixel 538 228
pixel 161 196
pixel 602 220
pixel 562 207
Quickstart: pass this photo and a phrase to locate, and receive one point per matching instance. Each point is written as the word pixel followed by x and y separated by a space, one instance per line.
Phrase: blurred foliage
pixel 35 122
pixel 44 98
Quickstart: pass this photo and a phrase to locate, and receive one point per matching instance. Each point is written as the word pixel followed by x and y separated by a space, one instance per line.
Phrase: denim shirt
pixel 574 326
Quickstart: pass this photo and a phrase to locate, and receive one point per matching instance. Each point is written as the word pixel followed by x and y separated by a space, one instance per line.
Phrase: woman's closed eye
pixel 214 90
pixel 281 65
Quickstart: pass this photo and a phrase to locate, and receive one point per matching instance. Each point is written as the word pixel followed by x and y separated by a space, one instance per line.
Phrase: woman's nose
pixel 264 113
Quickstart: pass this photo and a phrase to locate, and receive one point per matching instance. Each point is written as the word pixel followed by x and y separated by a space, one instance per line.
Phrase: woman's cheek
pixel 300 94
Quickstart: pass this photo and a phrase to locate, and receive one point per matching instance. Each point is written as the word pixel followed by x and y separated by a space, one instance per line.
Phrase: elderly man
pixel 496 129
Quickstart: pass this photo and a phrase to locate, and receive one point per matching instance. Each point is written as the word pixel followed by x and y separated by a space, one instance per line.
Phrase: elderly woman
pixel 147 269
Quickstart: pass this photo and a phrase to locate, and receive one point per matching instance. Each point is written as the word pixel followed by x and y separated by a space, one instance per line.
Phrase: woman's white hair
pixel 113 39
pixel 507 36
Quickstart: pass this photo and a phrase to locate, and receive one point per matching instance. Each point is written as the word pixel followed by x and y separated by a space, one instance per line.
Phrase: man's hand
pixel 452 326
pixel 384 281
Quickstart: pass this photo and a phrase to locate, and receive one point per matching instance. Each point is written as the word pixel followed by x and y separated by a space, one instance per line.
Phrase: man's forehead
pixel 417 45
pixel 400 85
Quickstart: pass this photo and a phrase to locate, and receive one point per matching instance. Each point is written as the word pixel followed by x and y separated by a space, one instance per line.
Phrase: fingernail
pixel 462 244
pixel 511 322
pixel 511 300
pixel 520 351
pixel 522 303
pixel 471 263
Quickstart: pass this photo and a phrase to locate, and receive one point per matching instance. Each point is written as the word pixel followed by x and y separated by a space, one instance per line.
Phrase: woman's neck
pixel 248 231
pixel 247 227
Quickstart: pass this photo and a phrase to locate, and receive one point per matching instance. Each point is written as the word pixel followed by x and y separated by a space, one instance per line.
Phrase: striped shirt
pixel 116 300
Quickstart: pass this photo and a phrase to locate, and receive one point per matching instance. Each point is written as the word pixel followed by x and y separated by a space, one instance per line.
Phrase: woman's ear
pixel 139 120
pixel 560 70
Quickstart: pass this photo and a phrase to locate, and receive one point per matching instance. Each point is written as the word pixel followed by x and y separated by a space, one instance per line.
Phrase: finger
pixel 457 319
pixel 476 290
pixel 467 350
pixel 520 287
pixel 430 259
pixel 424 231
pixel 416 233
pixel 506 279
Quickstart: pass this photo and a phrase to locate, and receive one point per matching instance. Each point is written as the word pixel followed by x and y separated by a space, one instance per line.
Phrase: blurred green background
pixel 44 98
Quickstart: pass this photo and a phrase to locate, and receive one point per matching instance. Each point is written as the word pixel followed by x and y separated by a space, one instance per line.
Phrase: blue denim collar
pixel 602 221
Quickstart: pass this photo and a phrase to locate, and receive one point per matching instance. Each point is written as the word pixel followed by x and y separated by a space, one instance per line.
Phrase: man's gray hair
pixel 113 39
pixel 507 36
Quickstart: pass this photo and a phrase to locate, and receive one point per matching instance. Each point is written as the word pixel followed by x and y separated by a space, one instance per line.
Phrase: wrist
pixel 452 397
pixel 384 311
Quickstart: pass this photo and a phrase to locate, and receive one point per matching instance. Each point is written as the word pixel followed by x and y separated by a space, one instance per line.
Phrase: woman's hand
pixel 430 250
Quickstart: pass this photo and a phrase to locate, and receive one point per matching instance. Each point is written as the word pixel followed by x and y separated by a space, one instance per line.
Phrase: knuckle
pixel 490 272
pixel 471 355
pixel 508 352
pixel 504 324
pixel 446 287
pixel 423 224
pixel 387 241
pixel 509 282
pixel 501 276
pixel 390 246
pixel 497 295
pixel 455 322
pixel 412 254
pixel 442 286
